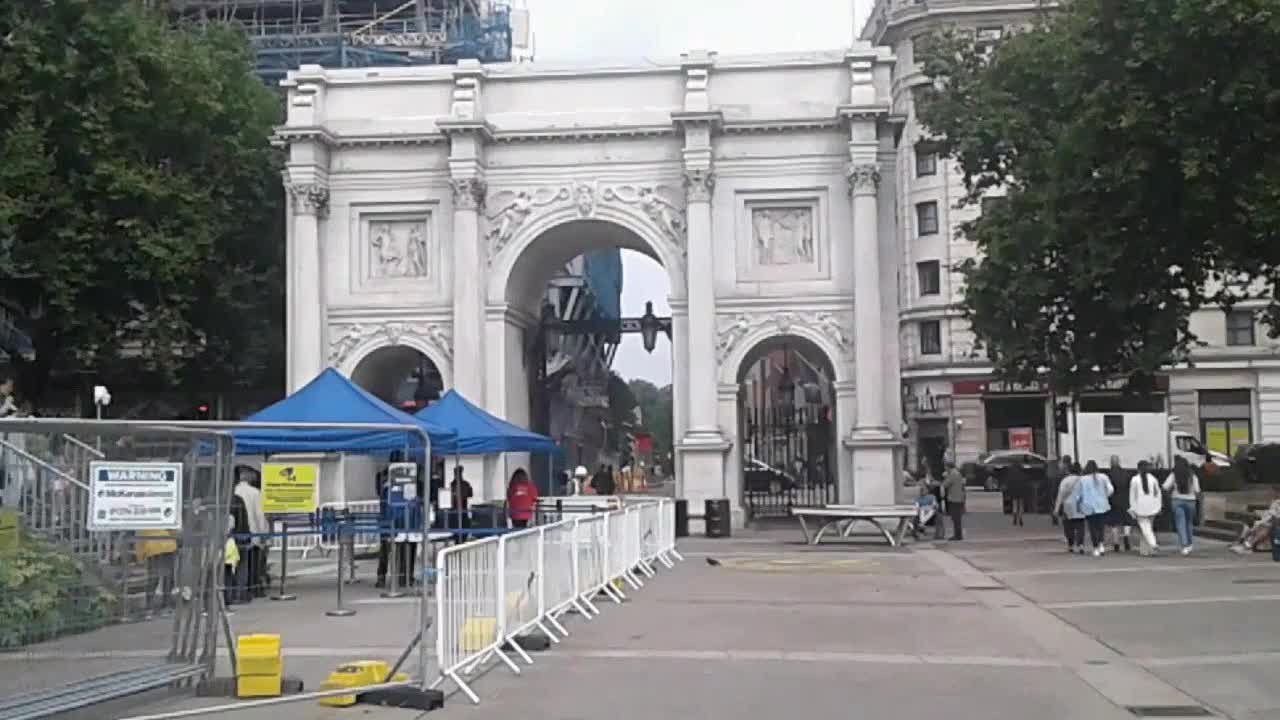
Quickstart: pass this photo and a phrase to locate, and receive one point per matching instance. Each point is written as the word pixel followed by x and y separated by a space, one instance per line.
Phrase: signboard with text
pixel 1021 438
pixel 135 496
pixel 289 488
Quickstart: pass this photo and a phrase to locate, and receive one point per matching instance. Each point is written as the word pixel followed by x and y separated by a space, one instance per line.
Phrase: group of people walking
pixel 1114 502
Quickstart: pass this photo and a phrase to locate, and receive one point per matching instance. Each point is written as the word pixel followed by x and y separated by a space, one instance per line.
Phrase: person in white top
pixel 1184 491
pixel 258 525
pixel 1145 503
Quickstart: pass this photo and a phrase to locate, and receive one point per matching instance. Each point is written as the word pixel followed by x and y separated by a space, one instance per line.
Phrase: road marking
pixel 1160 601
pixel 1249 658
pixel 1094 570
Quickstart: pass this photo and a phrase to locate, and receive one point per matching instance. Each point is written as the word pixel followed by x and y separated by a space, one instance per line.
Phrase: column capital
pixel 309 199
pixel 864 178
pixel 468 193
pixel 699 183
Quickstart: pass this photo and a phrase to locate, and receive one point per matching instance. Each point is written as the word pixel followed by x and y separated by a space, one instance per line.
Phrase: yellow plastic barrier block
pixel 478 633
pixel 250 686
pixel 259 655
pixel 358 674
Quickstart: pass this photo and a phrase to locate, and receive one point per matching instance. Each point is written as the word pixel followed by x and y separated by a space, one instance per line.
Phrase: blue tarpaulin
pixel 478 432
pixel 332 398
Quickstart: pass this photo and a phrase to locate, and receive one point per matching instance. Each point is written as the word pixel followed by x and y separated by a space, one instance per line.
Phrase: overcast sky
pixel 585 30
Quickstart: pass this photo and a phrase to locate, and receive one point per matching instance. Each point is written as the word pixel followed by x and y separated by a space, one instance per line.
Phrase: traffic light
pixel 1060 422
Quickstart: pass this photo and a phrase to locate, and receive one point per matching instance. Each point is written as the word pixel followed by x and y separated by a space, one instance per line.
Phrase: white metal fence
pixel 489 592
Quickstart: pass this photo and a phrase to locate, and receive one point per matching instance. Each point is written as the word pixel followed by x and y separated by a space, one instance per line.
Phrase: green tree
pixel 622 405
pixel 655 408
pixel 1135 146
pixel 137 183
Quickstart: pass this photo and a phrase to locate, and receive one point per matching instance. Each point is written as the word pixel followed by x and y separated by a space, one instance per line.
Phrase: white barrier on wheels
pixel 489 592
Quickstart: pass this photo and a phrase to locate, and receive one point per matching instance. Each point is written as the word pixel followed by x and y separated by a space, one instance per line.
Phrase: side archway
pixel 402 375
pixel 786 415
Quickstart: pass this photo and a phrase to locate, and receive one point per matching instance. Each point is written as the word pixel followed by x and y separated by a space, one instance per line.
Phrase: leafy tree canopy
pixel 138 186
pixel 1137 145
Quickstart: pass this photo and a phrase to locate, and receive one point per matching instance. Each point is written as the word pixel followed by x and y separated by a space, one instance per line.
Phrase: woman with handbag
pixel 1184 491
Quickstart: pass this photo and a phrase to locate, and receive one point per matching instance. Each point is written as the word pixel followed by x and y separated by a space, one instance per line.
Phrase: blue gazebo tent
pixel 478 432
pixel 332 398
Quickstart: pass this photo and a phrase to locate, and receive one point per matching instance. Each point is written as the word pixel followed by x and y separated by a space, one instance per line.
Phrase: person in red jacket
pixel 522 499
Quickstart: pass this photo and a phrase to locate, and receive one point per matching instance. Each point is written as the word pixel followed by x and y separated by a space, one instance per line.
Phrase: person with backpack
pixel 522 499
pixel 1145 503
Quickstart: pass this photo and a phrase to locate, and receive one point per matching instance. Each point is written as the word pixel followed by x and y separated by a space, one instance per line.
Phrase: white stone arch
pixel 435 354
pixel 640 233
pixel 837 357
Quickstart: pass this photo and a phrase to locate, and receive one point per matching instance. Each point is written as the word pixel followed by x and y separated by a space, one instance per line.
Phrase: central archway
pixel 565 392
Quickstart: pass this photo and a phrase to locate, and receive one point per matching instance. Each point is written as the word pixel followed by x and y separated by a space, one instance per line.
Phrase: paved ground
pixel 1003 625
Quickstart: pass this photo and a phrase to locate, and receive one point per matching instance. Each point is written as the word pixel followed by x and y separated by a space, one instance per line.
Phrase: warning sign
pixel 289 488
pixel 135 496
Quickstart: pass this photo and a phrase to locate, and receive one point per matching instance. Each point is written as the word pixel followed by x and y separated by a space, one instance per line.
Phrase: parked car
pixel 1259 463
pixel 986 472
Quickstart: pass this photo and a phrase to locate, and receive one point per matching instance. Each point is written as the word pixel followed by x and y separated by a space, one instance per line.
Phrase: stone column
pixel 307 353
pixel 468 289
pixel 872 442
pixel 703 381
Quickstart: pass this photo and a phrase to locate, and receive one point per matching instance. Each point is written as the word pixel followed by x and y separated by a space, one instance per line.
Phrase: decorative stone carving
pixel 350 336
pixel 584 198
pixel 309 199
pixel 669 217
pixel 783 235
pixel 468 193
pixel 838 327
pixel 864 178
pixel 699 183
pixel 515 208
pixel 398 249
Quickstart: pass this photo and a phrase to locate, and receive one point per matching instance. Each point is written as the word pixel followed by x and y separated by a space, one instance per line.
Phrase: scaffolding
pixel 365 33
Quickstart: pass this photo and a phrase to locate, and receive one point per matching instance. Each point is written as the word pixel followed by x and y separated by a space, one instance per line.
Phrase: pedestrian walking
pixel 953 488
pixel 1184 492
pixel 1119 521
pixel 1093 496
pixel 1145 503
pixel 522 499
pixel 1069 510
pixel 1017 487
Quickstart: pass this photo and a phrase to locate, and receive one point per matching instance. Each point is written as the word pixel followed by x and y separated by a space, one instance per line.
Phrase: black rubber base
pixel 533 642
pixel 407 697
pixel 226 687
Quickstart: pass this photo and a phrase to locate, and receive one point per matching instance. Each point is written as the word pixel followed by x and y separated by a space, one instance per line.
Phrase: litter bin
pixel 682 518
pixel 716 513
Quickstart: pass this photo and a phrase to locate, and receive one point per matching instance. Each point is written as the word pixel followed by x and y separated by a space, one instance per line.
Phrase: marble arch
pixel 425 200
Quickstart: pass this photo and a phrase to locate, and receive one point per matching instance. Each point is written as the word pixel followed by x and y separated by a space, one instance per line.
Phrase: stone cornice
pixel 466 127
pixel 712 118
pixel 758 127
pixel 582 133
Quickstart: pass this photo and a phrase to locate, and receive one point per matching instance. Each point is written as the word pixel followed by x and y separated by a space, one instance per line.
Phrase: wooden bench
pixel 849 515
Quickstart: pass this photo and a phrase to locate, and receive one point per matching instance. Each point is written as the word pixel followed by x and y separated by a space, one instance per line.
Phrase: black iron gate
pixel 787 460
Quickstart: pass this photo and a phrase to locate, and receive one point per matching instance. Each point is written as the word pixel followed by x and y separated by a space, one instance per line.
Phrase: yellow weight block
pixel 478 633
pixel 353 675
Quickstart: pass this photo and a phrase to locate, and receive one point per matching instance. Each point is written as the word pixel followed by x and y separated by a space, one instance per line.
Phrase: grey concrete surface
pixel 1002 625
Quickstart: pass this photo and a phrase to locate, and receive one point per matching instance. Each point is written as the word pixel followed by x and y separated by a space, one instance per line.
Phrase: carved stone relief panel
pixel 398 249
pixel 511 209
pixel 347 337
pixel 394 249
pixel 836 326
pixel 782 237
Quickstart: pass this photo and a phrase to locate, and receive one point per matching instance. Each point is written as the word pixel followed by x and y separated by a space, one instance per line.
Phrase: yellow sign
pixel 10 531
pixel 289 488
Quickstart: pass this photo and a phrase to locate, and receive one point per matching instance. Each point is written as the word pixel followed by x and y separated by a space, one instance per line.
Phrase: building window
pixel 931 337
pixel 1113 425
pixel 929 276
pixel 927 218
pixel 1240 328
pixel 926 160
pixel 991 203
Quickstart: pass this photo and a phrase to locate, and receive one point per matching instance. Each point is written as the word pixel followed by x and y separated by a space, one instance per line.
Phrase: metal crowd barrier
pixel 490 592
